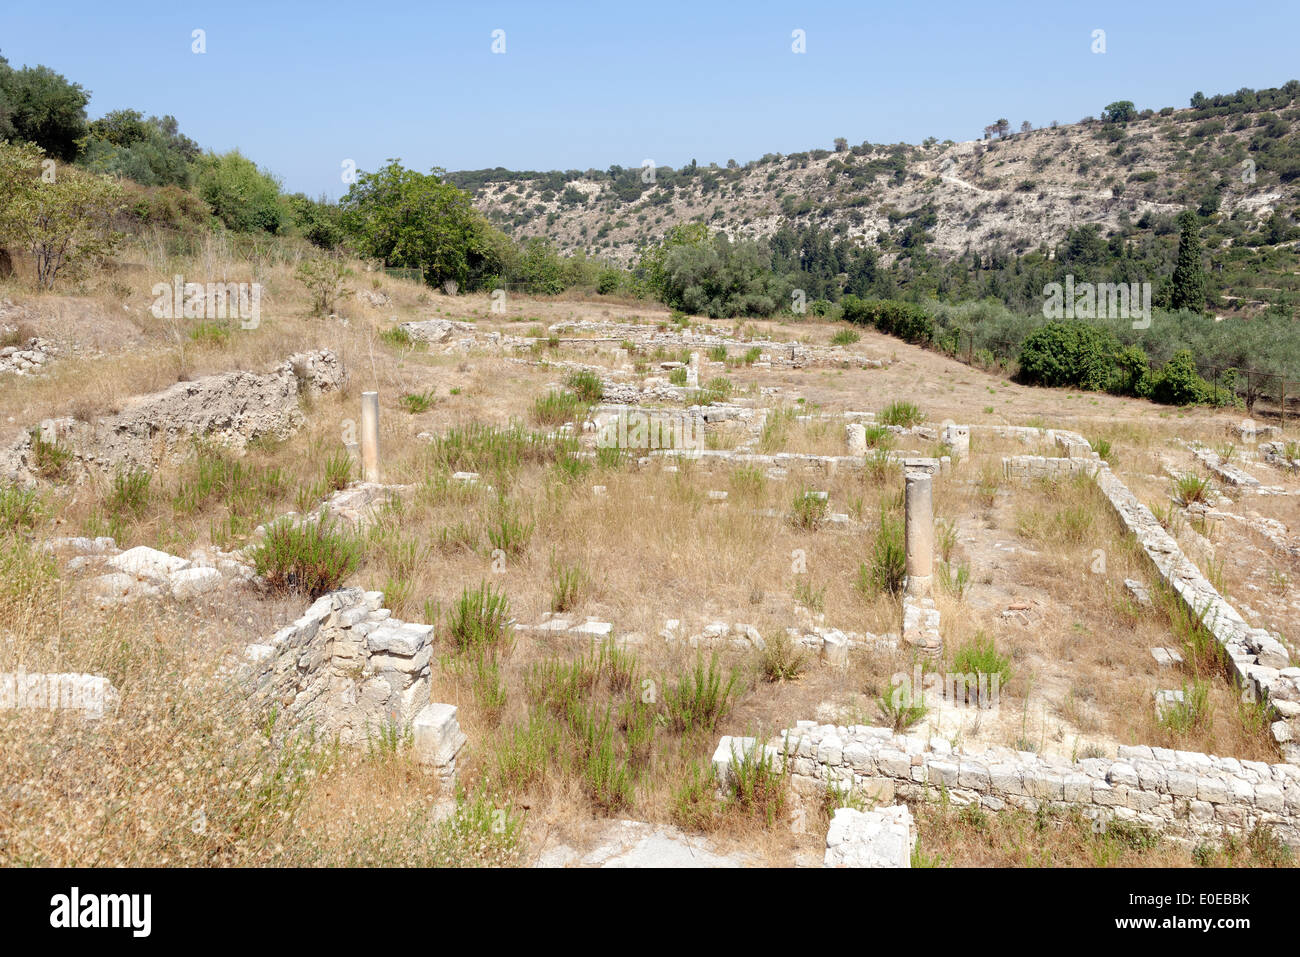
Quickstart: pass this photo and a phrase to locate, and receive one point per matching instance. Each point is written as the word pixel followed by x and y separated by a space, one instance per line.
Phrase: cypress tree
pixel 1188 291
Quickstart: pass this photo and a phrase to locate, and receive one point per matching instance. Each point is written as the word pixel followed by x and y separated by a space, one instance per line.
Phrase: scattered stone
pixel 880 838
pixel 1167 657
pixel 1167 699
pixel 438 737
pixel 1139 592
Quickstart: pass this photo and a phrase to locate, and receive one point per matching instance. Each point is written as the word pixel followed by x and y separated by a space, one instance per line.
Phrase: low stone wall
pixel 1028 468
pixel 1259 661
pixel 346 666
pixel 1181 793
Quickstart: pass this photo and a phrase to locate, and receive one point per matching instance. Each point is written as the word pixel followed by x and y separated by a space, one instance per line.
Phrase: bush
pixel 130 491
pixel 781 659
pixel 242 196
pixel 65 225
pixel 586 385
pixel 1178 383
pixel 700 699
pixel 1071 353
pixel 902 414
pixel 311 557
pixel 324 278
pixel 608 281
pixel 905 320
pixel 19 508
pixel 979 657
pixel 480 619
pixel 888 566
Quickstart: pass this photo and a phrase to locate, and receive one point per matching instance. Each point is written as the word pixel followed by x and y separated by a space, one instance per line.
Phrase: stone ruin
pixel 348 668
pixel 231 408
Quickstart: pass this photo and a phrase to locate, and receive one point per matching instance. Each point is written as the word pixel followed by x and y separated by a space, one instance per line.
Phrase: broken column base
pixel 438 738
pixel 882 838
pixel 921 626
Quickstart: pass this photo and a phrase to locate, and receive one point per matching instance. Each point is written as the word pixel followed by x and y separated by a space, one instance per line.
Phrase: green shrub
pixel 699 699
pixel 1189 488
pixel 902 414
pixel 210 334
pixel 417 402
pixel 757 784
pixel 809 510
pixel 901 319
pixel 50 459
pixel 310 557
pixel 888 566
pixel 480 619
pixel 398 337
pixel 1070 353
pixel 845 337
pixel 781 659
pixel 979 656
pixel 556 408
pixel 19 508
pixel 242 196
pixel 571 582
pixel 1178 383
pixel 1180 718
pixel 586 385
pixel 130 492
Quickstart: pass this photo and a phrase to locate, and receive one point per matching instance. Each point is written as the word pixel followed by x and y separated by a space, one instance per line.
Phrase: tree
pixel 319 221
pixel 841 144
pixel 1188 289
pixel 1121 111
pixel 43 108
pixel 419 220
pixel 1003 126
pixel 242 196
pixel 1026 127
pixel 65 222
pixel 152 152
pixel 325 279
pixel 1071 353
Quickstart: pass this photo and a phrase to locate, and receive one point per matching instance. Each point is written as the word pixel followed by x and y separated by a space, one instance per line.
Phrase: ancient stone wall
pixel 1187 795
pixel 347 666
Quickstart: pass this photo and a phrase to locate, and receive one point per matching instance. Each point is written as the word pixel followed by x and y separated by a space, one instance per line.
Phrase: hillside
pixel 1239 159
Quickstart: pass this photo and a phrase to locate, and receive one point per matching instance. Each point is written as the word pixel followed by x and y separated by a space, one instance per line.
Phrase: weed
pixel 901 413
pixel 480 618
pixel 781 659
pixel 310 557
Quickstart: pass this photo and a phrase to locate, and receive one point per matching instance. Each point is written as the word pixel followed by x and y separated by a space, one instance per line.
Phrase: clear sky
pixel 301 87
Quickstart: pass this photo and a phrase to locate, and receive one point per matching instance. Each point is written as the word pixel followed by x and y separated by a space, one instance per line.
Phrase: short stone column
pixel 919 533
pixel 370 436
pixel 693 371
pixel 856 435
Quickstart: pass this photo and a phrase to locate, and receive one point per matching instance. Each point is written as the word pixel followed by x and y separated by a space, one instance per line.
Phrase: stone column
pixel 693 371
pixel 919 533
pixel 856 434
pixel 370 436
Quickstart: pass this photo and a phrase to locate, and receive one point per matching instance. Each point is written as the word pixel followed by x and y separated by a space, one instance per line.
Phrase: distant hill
pixel 1234 157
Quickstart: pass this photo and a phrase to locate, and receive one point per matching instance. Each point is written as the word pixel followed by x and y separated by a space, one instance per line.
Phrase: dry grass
pixel 652 547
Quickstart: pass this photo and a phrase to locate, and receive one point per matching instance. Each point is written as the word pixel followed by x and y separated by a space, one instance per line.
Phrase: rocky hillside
pixel 1236 154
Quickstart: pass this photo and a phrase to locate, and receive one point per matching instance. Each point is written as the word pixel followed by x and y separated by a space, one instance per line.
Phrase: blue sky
pixel 301 87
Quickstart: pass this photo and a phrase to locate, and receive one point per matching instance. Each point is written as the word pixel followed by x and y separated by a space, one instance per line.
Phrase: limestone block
pixel 881 838
pixel 437 735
